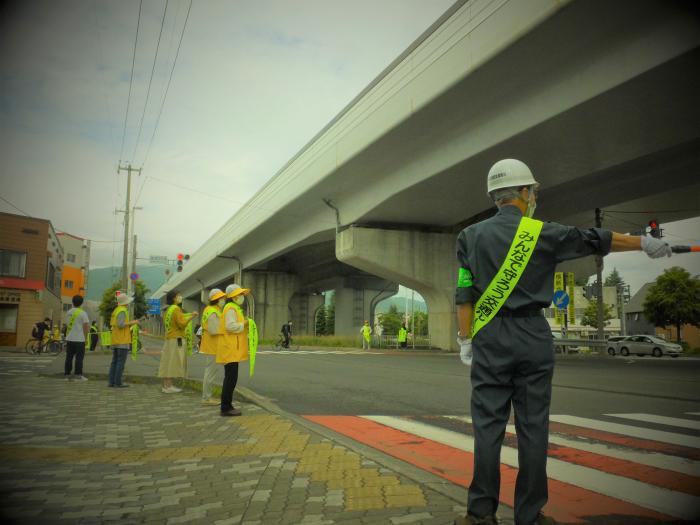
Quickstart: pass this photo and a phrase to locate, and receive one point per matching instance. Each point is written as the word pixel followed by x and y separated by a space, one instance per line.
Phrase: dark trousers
pixel 287 337
pixel 77 350
pixel 230 380
pixel 116 368
pixel 513 364
pixel 93 342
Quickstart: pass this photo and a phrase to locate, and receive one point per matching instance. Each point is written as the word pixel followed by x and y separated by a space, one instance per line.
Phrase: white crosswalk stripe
pixel 627 430
pixel 316 352
pixel 661 420
pixel 646 491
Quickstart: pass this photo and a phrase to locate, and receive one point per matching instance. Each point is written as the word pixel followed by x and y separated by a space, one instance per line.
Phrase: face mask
pixel 531 203
pixel 238 299
pixel 178 299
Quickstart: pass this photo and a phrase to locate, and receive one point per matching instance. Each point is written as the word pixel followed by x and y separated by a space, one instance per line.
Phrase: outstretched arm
pixel 625 243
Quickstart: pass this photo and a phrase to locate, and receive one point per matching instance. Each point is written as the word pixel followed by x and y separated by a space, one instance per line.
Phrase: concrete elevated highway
pixel 601 99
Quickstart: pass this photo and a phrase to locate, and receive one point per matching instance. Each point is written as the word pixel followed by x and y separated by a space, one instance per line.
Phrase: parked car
pixel 648 345
pixel 614 344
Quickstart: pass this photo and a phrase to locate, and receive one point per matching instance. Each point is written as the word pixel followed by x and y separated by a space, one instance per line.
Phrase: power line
pixel 654 211
pixel 167 87
pixel 131 80
pixel 150 81
pixel 15 207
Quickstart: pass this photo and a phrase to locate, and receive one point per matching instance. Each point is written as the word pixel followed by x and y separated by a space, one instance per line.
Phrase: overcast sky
pixel 254 81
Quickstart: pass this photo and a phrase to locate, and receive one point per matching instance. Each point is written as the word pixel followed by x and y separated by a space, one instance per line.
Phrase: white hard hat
pixel 233 290
pixel 123 299
pixel 216 294
pixel 509 173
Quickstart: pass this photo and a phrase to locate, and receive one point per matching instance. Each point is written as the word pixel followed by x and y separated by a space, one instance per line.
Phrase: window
pixel 71 257
pixel 51 276
pixel 12 264
pixel 68 284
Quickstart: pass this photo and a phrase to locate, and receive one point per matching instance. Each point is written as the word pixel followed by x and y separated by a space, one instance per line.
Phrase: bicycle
pixel 46 346
pixel 279 345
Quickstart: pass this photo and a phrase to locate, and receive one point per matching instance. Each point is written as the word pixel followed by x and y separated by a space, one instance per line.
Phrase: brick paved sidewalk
pixel 79 452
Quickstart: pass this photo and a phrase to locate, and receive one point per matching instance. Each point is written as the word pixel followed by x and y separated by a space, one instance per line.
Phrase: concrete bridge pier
pixel 356 300
pixel 272 293
pixel 425 262
pixel 303 307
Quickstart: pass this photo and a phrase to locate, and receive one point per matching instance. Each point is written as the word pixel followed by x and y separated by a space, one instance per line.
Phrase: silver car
pixel 648 345
pixel 614 343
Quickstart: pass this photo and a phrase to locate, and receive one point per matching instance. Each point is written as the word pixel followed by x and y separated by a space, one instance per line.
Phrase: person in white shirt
pixel 77 328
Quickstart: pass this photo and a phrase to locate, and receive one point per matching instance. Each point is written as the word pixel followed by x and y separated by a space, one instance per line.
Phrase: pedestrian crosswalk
pixel 635 466
pixel 22 364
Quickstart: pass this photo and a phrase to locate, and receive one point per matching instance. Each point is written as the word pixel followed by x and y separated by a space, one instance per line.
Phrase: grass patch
pixel 320 340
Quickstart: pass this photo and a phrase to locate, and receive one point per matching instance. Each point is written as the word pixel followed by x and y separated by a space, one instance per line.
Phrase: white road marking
pixel 627 430
pixel 655 459
pixel 661 420
pixel 669 502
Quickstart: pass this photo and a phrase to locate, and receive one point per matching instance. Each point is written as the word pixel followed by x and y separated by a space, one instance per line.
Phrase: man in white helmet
pixel 506 275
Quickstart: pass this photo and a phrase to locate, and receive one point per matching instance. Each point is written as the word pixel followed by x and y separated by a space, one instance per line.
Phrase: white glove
pixel 655 248
pixel 465 350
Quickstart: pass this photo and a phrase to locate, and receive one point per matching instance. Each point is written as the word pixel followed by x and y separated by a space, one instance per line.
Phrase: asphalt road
pixel 438 384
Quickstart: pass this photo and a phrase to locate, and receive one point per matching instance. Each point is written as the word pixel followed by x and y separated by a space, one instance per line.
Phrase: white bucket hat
pixel 123 299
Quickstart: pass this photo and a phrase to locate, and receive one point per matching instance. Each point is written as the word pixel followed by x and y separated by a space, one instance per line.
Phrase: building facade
pixel 75 267
pixel 31 262
pixel 575 328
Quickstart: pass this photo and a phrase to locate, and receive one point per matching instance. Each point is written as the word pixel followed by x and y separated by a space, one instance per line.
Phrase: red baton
pixel 685 249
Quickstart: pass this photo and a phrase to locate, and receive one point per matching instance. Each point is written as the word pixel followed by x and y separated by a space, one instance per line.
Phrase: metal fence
pixel 390 341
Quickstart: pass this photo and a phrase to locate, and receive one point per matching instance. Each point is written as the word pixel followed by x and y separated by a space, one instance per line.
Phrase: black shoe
pixel 230 412
pixel 473 520
pixel 123 385
pixel 110 386
pixel 544 520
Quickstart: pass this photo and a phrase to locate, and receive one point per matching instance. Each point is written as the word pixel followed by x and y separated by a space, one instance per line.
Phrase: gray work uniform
pixel 514 356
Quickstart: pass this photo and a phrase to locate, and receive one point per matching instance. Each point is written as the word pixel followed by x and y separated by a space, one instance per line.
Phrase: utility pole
pixel 600 316
pixel 127 209
pixel 132 269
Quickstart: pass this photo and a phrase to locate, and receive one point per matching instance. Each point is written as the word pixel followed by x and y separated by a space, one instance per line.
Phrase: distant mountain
pixel 99 279
pixel 400 303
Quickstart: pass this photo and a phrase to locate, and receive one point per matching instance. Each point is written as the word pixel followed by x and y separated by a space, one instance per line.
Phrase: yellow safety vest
pixel 120 336
pixel 233 347
pixel 72 320
pixel 210 343
pixel 367 333
pixel 403 333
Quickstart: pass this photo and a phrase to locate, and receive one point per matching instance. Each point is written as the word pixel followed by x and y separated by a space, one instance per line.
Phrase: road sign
pixel 134 276
pixel 154 306
pixel 158 259
pixel 561 299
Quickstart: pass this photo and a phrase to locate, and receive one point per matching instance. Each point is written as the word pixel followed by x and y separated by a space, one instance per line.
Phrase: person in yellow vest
pixel 173 359
pixel 212 330
pixel 233 346
pixel 77 330
pixel 121 339
pixel 366 332
pixel 403 336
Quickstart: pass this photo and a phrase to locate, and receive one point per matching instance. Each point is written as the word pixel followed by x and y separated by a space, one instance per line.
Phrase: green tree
pixel 590 314
pixel 330 317
pixel 419 323
pixel 391 321
pixel 321 321
pixel 109 300
pixel 614 279
pixel 674 300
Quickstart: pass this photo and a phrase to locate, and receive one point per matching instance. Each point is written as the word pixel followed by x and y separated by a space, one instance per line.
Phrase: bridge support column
pixel 304 307
pixel 425 262
pixel 356 301
pixel 272 293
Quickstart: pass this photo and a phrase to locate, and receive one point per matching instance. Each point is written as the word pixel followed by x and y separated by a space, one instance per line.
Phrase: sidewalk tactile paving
pixel 84 453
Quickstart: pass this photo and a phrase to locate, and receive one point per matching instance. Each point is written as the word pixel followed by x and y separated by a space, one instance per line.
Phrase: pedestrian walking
pixel 366 332
pixel 93 336
pixel 287 333
pixel 506 274
pixel 120 326
pixel 233 346
pixel 402 336
pixel 212 329
pixel 78 326
pixel 173 359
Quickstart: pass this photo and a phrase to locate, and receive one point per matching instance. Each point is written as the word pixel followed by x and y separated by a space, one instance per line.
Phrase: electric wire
pixel 15 207
pixel 167 87
pixel 131 81
pixel 101 67
pixel 150 81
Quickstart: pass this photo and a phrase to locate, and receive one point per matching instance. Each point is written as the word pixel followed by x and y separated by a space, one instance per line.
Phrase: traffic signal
pixel 180 258
pixel 655 230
